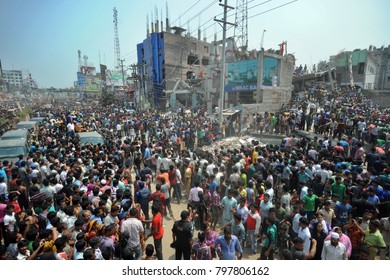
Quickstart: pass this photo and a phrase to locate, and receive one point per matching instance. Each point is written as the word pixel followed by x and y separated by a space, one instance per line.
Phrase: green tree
pixel 107 98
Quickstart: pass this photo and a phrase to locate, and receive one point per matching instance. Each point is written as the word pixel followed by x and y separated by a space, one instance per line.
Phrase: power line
pixel 258 13
pixel 185 12
pixel 203 10
pixel 191 33
pixel 277 7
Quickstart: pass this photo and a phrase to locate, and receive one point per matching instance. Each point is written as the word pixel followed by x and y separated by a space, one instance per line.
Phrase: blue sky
pixel 44 35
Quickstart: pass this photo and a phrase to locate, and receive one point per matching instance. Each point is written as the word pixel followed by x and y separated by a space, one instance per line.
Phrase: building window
pixel 193 47
pixel 388 79
pixel 361 68
pixel 193 60
pixel 205 61
pixel 206 49
pixel 190 75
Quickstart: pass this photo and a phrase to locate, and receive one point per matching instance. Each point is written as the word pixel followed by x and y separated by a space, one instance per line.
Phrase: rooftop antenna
pixel 79 56
pixel 85 60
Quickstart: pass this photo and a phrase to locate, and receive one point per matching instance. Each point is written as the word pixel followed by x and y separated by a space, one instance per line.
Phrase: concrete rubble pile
pixel 230 143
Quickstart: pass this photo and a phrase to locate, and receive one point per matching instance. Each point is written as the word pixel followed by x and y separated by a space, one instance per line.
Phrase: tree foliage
pixel 107 98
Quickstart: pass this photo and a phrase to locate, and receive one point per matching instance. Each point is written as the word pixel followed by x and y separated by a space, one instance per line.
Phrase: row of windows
pixel 13 79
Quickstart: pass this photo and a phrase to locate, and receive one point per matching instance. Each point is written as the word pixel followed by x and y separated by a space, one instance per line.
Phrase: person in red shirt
pixel 13 199
pixel 338 149
pixel 160 202
pixel 157 231
pixel 164 174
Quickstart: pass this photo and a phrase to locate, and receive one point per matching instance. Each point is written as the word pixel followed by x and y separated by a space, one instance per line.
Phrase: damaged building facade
pixel 177 69
pixel 172 68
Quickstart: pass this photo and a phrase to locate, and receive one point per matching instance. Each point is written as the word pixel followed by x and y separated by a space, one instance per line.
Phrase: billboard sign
pixel 92 84
pixel 270 71
pixel 114 78
pixel 81 79
pixel 242 76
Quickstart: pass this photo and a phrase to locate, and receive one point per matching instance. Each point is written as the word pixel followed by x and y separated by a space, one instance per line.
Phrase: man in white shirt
pixel 134 231
pixel 210 168
pixel 119 129
pixel 70 127
pixel 295 222
pixel 333 249
pixel 325 173
pixel 304 233
pixel 361 125
pixel 193 198
pixel 219 175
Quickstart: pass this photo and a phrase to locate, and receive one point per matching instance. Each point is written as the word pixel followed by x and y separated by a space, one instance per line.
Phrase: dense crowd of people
pixel 323 198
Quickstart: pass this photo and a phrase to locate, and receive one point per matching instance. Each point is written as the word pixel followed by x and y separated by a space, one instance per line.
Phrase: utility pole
pixel 262 40
pixel 222 87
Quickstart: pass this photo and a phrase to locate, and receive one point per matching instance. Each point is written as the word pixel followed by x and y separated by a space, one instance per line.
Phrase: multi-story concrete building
pixel 362 64
pixel 175 67
pixel 19 78
pixel 168 58
pixel 382 55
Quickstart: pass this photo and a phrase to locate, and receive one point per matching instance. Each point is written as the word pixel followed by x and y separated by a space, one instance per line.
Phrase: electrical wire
pixel 277 7
pixel 185 12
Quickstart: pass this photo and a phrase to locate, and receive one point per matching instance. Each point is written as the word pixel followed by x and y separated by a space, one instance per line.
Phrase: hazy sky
pixel 44 35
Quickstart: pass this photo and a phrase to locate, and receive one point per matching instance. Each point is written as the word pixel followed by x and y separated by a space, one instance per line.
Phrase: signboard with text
pixel 242 76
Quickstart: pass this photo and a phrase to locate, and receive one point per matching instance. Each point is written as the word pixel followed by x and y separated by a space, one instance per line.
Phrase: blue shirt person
pixel 227 245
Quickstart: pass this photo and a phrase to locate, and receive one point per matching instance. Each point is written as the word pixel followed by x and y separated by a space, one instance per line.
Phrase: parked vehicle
pixel 92 137
pixel 38 119
pixel 11 149
pixel 27 125
pixel 16 134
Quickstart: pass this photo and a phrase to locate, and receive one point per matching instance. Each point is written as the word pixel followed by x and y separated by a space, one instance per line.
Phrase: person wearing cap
pixel 343 239
pixel 333 249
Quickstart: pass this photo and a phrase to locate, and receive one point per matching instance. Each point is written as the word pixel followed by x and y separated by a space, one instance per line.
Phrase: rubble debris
pixel 231 143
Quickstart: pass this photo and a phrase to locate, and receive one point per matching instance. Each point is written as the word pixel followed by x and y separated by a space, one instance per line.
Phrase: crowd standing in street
pixel 320 197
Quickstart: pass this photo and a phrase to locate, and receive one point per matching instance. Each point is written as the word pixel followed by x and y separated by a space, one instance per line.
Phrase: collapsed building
pixel 180 70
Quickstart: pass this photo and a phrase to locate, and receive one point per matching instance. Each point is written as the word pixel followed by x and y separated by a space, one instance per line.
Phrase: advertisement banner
pixel 114 78
pixel 270 71
pixel 242 76
pixel 93 84
pixel 81 79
